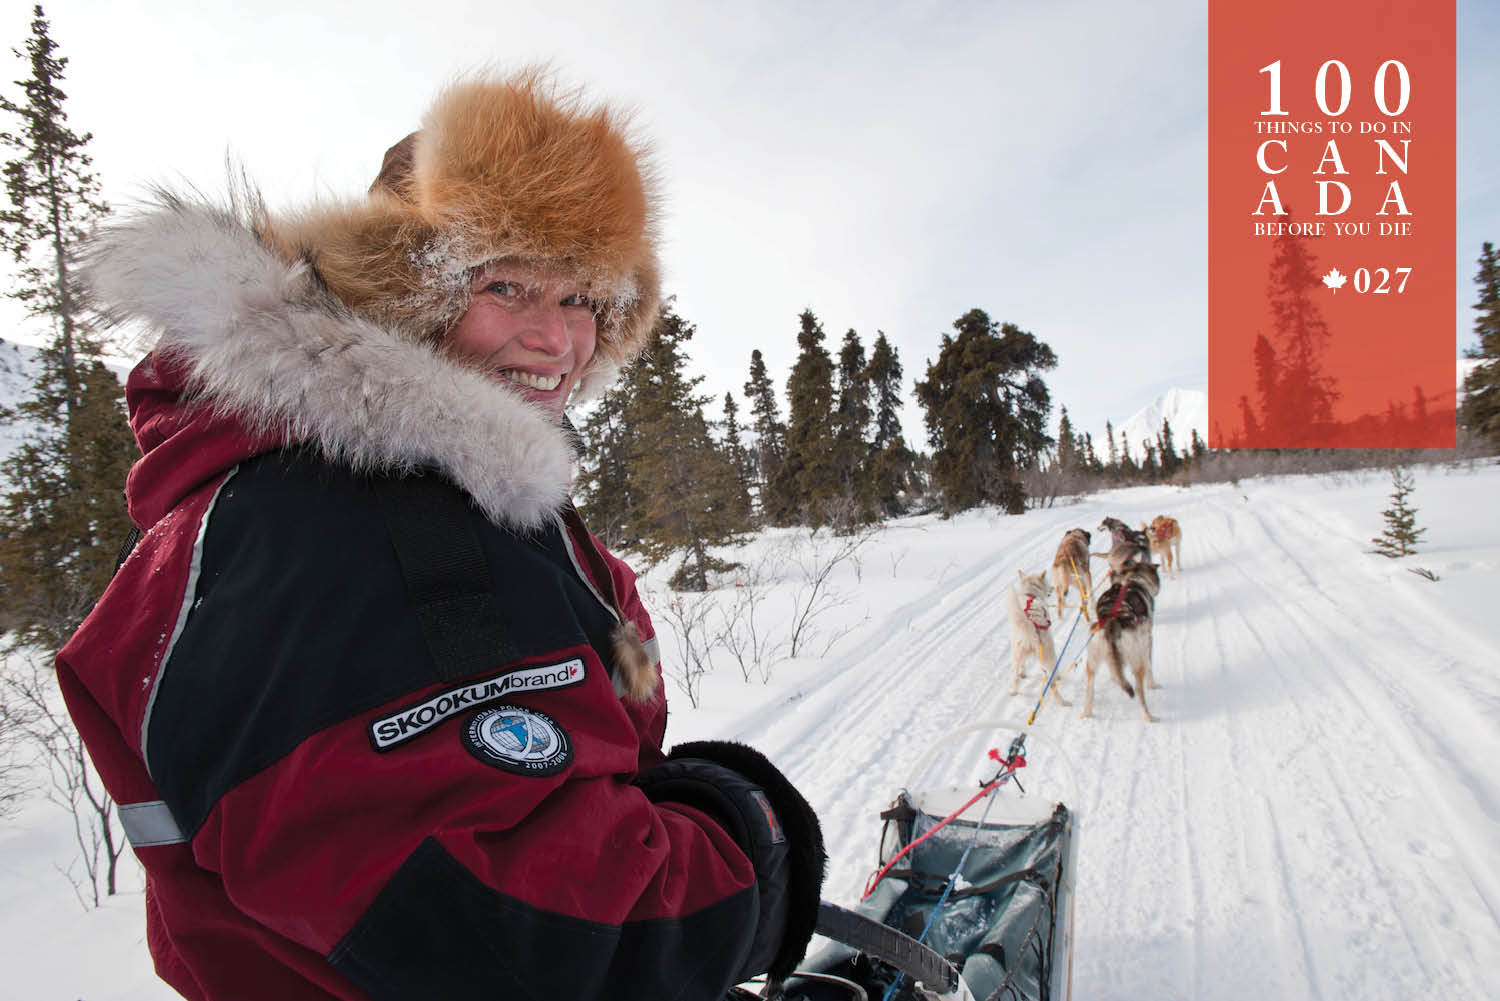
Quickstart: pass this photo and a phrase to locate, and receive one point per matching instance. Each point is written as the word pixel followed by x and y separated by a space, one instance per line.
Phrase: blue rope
pixel 1053 673
pixel 952 879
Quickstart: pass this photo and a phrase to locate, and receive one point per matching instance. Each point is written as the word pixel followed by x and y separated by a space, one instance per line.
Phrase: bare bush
pixel 744 636
pixel 815 594
pixel 31 705
pixel 16 773
pixel 687 615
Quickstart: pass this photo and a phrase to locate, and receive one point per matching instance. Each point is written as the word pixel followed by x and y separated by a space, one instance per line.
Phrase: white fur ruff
pixel 267 343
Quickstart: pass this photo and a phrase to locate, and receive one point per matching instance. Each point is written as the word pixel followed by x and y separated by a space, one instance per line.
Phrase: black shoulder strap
pixel 432 529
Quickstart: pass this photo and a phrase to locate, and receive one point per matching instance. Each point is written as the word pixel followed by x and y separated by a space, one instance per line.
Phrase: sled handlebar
pixel 886 943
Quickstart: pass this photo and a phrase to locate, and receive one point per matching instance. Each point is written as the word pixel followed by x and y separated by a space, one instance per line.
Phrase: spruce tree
pixel 770 433
pixel 1170 460
pixel 986 412
pixel 1401 532
pixel 1129 471
pixel 892 463
pixel 808 479
pixel 1068 452
pixel 1302 393
pixel 1150 468
pixel 64 520
pixel 852 414
pixel 605 486
pixel 738 454
pixel 884 375
pixel 1481 407
pixel 1114 456
pixel 1090 459
pixel 687 498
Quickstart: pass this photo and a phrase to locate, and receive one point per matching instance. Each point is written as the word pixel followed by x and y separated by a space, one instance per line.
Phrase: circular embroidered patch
pixel 518 740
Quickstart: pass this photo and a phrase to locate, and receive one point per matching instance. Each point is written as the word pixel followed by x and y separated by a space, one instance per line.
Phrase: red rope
pixel 1011 764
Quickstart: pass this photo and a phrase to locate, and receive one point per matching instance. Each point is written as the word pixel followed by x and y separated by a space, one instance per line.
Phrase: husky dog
pixel 1127 544
pixel 1122 636
pixel 1121 532
pixel 1030 629
pixel 1166 541
pixel 1070 563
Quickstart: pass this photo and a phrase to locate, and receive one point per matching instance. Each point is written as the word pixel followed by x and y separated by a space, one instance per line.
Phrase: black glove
pixel 774 825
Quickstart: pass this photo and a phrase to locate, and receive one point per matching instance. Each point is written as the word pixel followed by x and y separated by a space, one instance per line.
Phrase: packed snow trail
pixel 1315 816
pixel 1310 818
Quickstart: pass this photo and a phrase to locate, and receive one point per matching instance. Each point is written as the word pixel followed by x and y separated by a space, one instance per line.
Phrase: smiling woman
pixel 532 329
pixel 371 696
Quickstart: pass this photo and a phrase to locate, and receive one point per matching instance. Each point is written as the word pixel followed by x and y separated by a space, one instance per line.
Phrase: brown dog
pixel 1122 639
pixel 1166 542
pixel 1072 564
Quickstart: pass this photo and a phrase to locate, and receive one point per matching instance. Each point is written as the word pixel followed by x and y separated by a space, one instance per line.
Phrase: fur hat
pixel 500 169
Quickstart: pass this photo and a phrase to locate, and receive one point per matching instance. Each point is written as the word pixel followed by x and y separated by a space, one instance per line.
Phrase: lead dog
pixel 1122 638
pixel 1166 541
pixel 1127 545
pixel 1072 563
pixel 1030 629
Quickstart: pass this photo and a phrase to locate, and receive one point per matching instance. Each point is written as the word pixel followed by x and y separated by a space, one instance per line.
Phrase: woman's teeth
pixel 545 383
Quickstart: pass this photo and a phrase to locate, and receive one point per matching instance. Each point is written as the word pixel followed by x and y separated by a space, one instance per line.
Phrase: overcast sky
pixel 890 166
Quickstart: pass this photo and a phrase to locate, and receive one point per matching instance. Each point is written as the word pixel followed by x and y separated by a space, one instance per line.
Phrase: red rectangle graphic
pixel 1332 202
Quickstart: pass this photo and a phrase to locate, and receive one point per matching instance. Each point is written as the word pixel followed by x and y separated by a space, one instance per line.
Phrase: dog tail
pixel 1115 660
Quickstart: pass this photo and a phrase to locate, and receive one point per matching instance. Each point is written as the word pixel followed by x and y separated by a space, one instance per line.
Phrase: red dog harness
pixel 1027 612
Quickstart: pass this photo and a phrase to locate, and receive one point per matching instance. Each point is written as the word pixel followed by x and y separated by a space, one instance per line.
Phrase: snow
pixel 1186 409
pixel 1315 816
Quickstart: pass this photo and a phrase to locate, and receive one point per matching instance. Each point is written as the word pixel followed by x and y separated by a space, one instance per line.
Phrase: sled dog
pixel 1127 544
pixel 1070 563
pixel 1030 630
pixel 1122 636
pixel 1166 542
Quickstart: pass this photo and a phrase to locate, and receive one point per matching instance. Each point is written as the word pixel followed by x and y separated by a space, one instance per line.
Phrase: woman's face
pixel 531 330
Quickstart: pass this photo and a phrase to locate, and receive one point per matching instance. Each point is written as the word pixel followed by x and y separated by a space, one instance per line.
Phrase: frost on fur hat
pixel 500 169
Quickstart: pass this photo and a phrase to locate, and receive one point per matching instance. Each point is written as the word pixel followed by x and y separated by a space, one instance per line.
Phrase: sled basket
pixel 1005 923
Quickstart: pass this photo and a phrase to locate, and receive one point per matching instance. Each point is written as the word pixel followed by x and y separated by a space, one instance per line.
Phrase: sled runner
pixel 976 858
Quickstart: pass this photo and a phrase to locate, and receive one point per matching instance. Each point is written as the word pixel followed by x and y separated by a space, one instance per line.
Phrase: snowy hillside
pixel 1315 816
pixel 19 366
pixel 1185 409
pixel 17 369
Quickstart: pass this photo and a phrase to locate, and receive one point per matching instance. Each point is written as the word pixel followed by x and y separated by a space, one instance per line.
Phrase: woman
pixel 382 717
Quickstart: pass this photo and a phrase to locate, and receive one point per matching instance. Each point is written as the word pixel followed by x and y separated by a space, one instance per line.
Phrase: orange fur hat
pixel 500 169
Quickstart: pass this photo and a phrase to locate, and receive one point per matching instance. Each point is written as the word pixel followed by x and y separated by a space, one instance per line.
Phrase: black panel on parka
pixel 301 619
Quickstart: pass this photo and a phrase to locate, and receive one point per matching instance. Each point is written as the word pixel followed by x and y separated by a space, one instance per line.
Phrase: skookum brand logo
pixel 413 721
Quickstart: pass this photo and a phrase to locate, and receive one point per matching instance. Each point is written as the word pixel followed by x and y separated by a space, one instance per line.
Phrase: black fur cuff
pixel 808 861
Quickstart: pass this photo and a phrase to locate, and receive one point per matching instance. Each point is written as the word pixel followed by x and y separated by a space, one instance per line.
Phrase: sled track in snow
pixel 1224 845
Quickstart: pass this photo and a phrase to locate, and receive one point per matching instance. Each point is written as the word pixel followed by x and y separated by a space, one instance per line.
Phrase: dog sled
pixel 973 894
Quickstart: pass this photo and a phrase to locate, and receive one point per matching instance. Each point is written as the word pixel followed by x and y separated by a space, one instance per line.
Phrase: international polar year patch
pixel 518 740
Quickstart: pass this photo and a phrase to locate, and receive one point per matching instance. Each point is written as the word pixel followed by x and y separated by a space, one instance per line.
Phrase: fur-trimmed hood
pixel 253 352
pixel 324 326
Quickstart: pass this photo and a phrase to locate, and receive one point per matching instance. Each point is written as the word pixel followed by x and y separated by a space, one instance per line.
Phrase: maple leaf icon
pixel 1334 279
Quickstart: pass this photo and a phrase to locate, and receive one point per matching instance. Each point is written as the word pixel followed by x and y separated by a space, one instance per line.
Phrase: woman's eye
pixel 506 290
pixel 578 299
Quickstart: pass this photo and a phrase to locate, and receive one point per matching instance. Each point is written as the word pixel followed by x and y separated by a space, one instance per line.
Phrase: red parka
pixel 342 785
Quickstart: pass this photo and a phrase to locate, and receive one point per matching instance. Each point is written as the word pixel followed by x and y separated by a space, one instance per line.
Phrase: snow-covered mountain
pixel 17 369
pixel 1185 409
